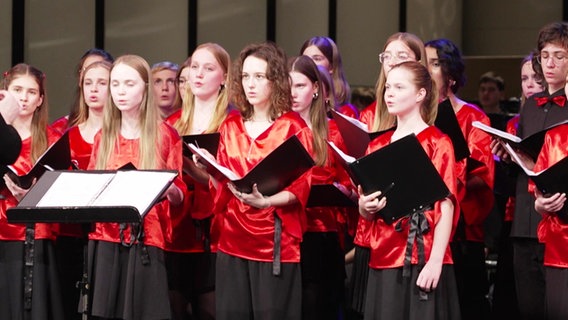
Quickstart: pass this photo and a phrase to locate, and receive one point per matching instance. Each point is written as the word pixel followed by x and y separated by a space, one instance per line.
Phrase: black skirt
pixel 124 287
pixel 359 276
pixel 390 296
pixel 46 296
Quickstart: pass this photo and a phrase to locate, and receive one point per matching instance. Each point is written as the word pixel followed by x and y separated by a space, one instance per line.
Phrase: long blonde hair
pixel 383 119
pixel 183 125
pixel 148 122
pixel 83 109
pixel 40 116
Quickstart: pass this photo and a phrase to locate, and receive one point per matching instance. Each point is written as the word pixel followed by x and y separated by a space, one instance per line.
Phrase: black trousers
pixel 471 279
pixel 528 259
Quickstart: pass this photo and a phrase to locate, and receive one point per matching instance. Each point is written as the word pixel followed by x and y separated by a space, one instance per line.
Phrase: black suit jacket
pixel 10 143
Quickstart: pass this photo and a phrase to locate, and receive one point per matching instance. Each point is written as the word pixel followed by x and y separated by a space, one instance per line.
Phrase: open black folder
pixel 548 181
pixel 447 122
pixel 207 141
pixel 328 195
pixel 403 172
pixel 92 196
pixel 354 133
pixel 530 145
pixel 272 174
pixel 56 157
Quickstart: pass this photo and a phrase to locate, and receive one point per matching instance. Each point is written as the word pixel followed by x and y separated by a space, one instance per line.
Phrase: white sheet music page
pixel 134 188
pixel 224 170
pixel 73 189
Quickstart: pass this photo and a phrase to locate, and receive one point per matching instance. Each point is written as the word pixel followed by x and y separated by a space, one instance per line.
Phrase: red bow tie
pixel 558 100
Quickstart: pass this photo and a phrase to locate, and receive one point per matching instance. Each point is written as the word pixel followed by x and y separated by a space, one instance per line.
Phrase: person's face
pixel 26 91
pixel 165 88
pixel 206 75
pixel 435 69
pixel 489 94
pixel 529 83
pixel 127 88
pixel 255 84
pixel 553 59
pixel 318 57
pixel 302 92
pixel 395 53
pixel 183 82
pixel 95 87
pixel 401 95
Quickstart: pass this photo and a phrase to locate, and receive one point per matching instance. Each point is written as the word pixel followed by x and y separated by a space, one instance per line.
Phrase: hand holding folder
pixel 530 145
pixel 56 157
pixel 275 172
pixel 403 172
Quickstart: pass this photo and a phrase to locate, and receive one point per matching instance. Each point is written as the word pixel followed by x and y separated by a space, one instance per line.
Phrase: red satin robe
pixel 349 110
pixel 325 219
pixel 476 205
pixel 551 230
pixel 183 236
pixel 512 126
pixel 60 124
pixel 17 232
pixel 362 236
pixel 248 232
pixel 81 155
pixel 156 221
pixel 387 245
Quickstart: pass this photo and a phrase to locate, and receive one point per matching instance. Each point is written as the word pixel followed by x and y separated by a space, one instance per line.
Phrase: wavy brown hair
pixel 276 73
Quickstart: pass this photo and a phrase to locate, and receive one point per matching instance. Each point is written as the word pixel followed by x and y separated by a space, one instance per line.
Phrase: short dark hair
pixel 490 76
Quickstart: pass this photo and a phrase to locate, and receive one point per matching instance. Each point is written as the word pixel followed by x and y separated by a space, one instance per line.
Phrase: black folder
pixel 328 195
pixel 354 135
pixel 447 122
pixel 92 196
pixel 207 141
pixel 404 172
pixel 56 157
pixel 272 174
pixel 530 145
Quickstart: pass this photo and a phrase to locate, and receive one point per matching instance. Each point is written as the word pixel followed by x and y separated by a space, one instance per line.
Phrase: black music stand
pixel 30 209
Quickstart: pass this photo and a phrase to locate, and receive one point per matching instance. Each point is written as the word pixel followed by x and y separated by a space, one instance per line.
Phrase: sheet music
pixel 347 158
pixel 65 193
pixel 134 188
pixel 224 170
pixel 354 121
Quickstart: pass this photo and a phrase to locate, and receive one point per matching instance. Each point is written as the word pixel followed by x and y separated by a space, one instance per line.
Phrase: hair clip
pixel 6 73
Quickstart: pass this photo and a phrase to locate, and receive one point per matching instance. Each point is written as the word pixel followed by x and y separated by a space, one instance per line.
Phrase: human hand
pixel 429 277
pixel 370 204
pixel 9 106
pixel 553 203
pixel 253 199
pixel 16 190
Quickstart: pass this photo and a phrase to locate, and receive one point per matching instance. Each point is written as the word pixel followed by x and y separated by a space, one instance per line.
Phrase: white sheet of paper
pixel 65 191
pixel 134 188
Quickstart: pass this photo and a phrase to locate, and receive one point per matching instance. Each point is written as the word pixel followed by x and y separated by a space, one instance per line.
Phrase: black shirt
pixel 533 119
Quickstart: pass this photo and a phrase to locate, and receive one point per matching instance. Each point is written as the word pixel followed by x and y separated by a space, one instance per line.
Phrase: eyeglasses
pixel 387 56
pixel 557 57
